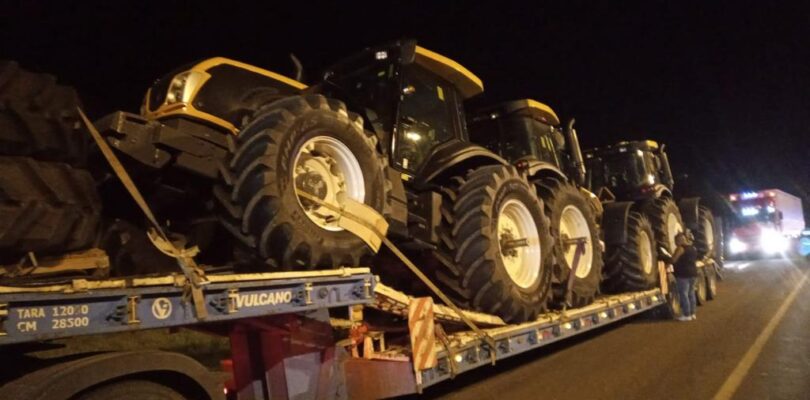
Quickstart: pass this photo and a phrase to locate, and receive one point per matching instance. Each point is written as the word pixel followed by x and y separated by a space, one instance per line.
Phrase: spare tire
pixel 572 218
pixel 38 117
pixel 312 143
pixel 46 208
pixel 502 244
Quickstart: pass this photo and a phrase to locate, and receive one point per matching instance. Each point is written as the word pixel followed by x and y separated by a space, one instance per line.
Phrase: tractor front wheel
pixel 307 144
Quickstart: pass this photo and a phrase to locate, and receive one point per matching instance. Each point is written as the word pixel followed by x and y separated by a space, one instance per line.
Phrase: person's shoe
pixel 693 317
pixel 684 318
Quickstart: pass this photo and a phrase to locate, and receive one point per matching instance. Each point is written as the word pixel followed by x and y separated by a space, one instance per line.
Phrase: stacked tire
pixel 48 202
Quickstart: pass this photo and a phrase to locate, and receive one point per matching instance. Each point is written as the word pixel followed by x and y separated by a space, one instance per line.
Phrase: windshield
pixel 756 210
pixel 427 117
pixel 617 172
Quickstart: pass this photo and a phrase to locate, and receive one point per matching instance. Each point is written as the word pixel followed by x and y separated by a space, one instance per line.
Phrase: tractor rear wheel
pixel 301 143
pixel 705 234
pixel 45 208
pixel 39 118
pixel 631 266
pixel 666 221
pixel 572 219
pixel 502 244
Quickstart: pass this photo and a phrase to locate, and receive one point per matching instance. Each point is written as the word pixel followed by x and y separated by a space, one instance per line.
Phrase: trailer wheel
pixel 572 218
pixel 311 143
pixel 666 221
pixel 631 267
pixel 132 389
pixel 45 207
pixel 705 234
pixel 700 287
pixel 39 118
pixel 503 246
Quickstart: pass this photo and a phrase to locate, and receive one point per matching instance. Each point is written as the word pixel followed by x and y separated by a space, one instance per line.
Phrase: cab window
pixel 428 116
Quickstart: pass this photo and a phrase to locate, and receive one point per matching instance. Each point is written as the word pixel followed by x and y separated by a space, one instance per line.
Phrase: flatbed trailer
pixel 283 341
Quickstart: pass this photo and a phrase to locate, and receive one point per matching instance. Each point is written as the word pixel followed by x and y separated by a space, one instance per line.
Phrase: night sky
pixel 725 85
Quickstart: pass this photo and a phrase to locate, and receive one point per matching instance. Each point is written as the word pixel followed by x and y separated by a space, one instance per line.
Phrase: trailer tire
pixel 666 221
pixel 38 117
pixel 271 156
pixel 705 235
pixel 632 266
pixel 46 207
pixel 496 204
pixel 570 211
pixel 132 389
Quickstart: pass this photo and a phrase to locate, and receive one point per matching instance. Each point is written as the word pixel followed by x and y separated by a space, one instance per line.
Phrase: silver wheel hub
pixel 708 231
pixel 325 168
pixel 519 243
pixel 576 236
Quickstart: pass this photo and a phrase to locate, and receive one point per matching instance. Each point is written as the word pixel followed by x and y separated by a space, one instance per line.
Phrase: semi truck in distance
pixel 767 222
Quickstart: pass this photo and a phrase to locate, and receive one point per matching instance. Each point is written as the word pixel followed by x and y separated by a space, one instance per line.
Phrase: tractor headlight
pixel 736 246
pixel 772 241
pixel 184 86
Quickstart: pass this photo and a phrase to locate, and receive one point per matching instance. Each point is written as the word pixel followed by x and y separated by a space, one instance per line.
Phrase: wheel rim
pixel 673 228
pixel 519 243
pixel 574 226
pixel 645 252
pixel 327 169
pixel 708 232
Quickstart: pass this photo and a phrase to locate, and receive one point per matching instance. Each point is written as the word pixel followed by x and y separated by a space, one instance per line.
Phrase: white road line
pixel 736 377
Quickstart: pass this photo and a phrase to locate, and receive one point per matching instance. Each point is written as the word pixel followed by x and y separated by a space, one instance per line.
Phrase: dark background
pixel 725 85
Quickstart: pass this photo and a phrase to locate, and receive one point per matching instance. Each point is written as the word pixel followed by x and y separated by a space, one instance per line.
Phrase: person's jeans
pixel 686 295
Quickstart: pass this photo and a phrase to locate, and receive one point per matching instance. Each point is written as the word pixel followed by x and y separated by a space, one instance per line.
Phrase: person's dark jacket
pixel 686 265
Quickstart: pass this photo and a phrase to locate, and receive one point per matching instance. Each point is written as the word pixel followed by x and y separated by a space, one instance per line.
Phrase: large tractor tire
pixel 705 234
pixel 502 244
pixel 46 208
pixel 666 221
pixel 39 118
pixel 711 282
pixel 700 287
pixel 572 218
pixel 312 143
pixel 632 266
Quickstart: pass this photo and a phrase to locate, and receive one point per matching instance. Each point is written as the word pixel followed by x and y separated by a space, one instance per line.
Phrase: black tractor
pixel 634 181
pixel 529 134
pixel 386 128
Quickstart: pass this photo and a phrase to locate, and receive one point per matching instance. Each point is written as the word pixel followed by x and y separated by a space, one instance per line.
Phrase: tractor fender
pixel 456 156
pixel 614 222
pixel 536 168
pixel 689 211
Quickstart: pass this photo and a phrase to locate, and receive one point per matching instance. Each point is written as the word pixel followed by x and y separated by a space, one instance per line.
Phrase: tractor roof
pixel 465 81
pixel 527 107
pixel 621 147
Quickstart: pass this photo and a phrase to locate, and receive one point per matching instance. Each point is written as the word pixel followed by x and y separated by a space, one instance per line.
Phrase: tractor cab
pixel 629 170
pixel 411 98
pixel 529 134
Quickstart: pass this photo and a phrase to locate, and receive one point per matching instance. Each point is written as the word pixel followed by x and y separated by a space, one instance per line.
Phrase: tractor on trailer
pixel 635 181
pixel 386 127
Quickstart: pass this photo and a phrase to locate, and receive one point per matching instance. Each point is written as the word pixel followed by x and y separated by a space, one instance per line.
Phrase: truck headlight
pixel 184 86
pixel 772 241
pixel 736 246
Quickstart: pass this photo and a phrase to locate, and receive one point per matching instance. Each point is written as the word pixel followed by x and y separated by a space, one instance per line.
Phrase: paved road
pixel 644 358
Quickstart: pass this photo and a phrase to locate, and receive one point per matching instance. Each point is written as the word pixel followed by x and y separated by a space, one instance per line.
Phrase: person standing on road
pixel 684 262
